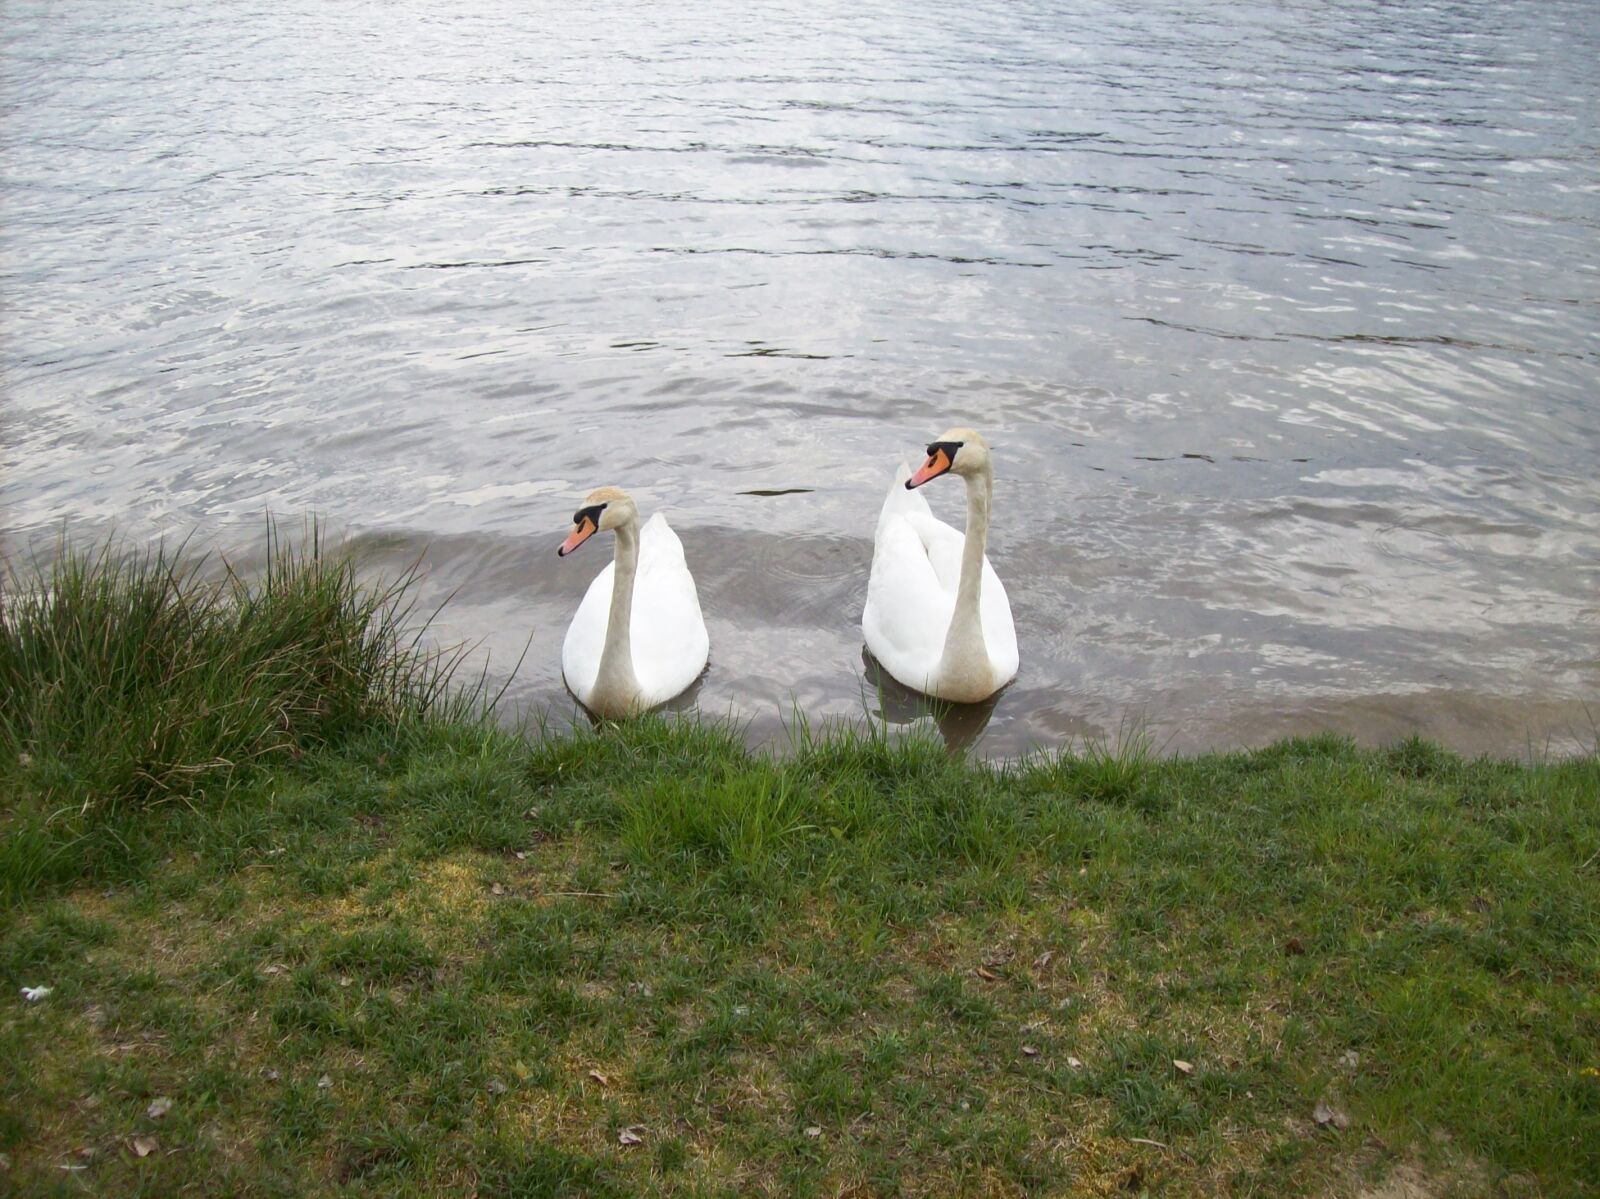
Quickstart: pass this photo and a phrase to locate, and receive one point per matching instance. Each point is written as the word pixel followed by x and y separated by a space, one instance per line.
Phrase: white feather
pixel 669 640
pixel 911 594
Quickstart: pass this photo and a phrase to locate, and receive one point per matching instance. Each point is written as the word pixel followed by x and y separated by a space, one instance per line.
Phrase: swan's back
pixel 908 609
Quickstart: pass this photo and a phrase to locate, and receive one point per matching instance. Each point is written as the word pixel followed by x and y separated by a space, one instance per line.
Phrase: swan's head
pixel 606 509
pixel 959 451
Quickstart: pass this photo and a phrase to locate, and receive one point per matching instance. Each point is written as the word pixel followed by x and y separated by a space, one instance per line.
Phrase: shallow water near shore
pixel 1284 324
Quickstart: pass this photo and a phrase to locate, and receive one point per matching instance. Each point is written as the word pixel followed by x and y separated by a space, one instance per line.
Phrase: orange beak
pixel 938 462
pixel 584 530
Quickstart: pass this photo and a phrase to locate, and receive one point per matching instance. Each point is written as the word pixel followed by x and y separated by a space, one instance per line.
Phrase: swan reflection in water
pixel 959 724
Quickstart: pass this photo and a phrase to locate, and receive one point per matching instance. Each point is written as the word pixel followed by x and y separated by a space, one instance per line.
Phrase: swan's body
pixel 636 643
pixel 937 617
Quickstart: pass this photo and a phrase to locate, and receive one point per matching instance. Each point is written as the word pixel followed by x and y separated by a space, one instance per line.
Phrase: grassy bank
pixel 133 680
pixel 398 951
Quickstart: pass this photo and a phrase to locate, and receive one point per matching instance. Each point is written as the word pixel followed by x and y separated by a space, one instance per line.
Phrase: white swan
pixel 638 637
pixel 937 617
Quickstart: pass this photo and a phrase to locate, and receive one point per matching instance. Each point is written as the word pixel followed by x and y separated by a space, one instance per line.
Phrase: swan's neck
pixel 616 688
pixel 965 672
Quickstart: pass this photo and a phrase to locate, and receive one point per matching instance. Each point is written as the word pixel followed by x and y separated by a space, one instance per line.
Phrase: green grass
pixel 404 952
pixel 132 680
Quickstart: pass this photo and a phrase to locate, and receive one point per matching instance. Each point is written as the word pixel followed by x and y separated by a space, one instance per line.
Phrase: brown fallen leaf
pixel 1182 1067
pixel 1074 1063
pixel 1351 1059
pixel 600 1078
pixel 631 1135
pixel 814 1131
pixel 496 1087
pixel 1325 1114
pixel 143 1146
pixel 1293 947
pixel 1043 960
pixel 986 974
pixel 159 1107
pixel 497 889
pixel 1030 1051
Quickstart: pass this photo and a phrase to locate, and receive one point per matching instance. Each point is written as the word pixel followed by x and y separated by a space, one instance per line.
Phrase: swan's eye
pixel 949 448
pixel 592 513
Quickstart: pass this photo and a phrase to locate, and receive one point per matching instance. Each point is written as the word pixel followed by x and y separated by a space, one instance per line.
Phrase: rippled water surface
pixel 1283 319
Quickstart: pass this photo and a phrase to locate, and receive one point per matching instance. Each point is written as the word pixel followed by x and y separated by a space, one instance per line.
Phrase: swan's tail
pixel 899 501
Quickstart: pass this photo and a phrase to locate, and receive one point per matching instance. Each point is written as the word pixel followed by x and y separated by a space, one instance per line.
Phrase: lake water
pixel 1283 319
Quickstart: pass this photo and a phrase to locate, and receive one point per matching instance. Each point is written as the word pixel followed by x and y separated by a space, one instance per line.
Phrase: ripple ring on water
pixel 1418 545
pixel 813 558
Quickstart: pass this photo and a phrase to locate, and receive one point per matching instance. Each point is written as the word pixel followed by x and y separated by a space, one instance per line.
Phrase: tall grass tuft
pixel 1108 771
pixel 131 679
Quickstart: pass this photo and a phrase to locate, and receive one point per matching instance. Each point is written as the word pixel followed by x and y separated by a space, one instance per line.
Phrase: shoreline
pixel 1057 700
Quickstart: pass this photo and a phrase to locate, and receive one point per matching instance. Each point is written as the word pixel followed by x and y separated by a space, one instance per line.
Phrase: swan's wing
pixel 586 635
pixel 941 543
pixel 670 642
pixel 916 569
pixel 907 612
pixel 943 546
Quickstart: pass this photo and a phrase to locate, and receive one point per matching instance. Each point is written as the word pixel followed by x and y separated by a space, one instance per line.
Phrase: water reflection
pixel 960 725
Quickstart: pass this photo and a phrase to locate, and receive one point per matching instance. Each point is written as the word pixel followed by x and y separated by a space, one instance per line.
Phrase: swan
pixel 638 637
pixel 937 617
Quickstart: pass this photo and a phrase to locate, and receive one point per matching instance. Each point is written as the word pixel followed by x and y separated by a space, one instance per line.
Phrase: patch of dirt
pixel 1408 1180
